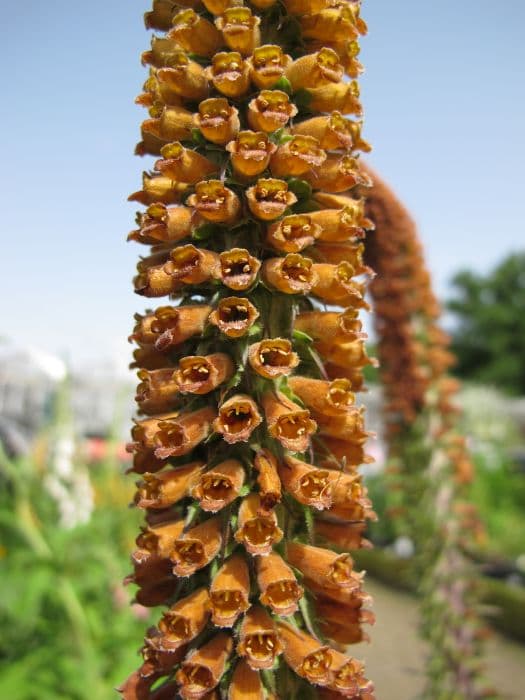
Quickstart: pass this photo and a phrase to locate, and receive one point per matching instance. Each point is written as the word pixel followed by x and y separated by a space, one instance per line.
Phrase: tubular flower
pixel 229 591
pixel 277 584
pixel 253 213
pixel 200 375
pixel 220 486
pixel 259 642
pixel 217 120
pixel 196 547
pixel 202 669
pixel 257 530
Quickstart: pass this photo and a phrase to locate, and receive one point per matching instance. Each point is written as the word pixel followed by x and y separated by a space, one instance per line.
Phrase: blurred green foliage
pixel 489 339
pixel 67 630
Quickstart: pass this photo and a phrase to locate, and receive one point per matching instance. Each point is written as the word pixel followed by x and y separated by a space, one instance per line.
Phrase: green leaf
pixel 300 188
pixel 283 84
pixel 197 137
pixel 202 233
pixel 302 337
pixel 302 99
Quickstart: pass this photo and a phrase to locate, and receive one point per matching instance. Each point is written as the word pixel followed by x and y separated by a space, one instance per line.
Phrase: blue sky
pixel 445 108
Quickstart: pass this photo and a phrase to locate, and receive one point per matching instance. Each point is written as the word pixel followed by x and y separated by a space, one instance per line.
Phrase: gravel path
pixel 395 657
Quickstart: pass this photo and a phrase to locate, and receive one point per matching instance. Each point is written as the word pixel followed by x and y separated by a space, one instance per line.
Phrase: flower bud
pixel 270 110
pixel 292 274
pixel 158 188
pixel 183 164
pixel 230 591
pixel 305 655
pixel 245 684
pixel 277 584
pixel 162 224
pixel 238 269
pixel 201 374
pixel 296 157
pixel 195 34
pixel 272 358
pixel 196 547
pixel 164 489
pixel 169 326
pixel 202 669
pixel 234 316
pixel 217 120
pixel 333 131
pixel 288 422
pixel 322 397
pixel 267 64
pixel 343 97
pixel 293 233
pixel 184 77
pixel 159 539
pixel 338 173
pixel 215 202
pixel 268 479
pixel 177 437
pixel 240 29
pixel 220 486
pixel 269 198
pixel 315 69
pixel 323 567
pixel 259 642
pixel 334 24
pixel 335 285
pixel 238 417
pixel 185 620
pixel 307 484
pixel 230 74
pixel 250 153
pixel 257 531
pixel 191 265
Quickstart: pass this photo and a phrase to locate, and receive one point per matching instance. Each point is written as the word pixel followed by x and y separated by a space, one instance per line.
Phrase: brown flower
pixel 343 252
pixel 238 269
pixel 315 69
pixel 144 431
pixel 326 398
pixel 160 16
pixel 293 233
pixel 176 437
pixel 196 547
pixel 159 539
pixel 268 479
pixel 267 64
pixel 342 535
pixel 217 120
pixel 240 29
pixel 238 417
pixel 169 326
pixel 183 164
pixel 338 173
pixel 272 358
pixel 288 422
pixel 173 124
pixel 162 224
pixel 342 328
pixel 191 265
pixel 195 34
pixel 278 586
pixel 161 52
pixel 335 285
pixel 348 52
pixel 298 156
pixel 270 110
pixel 234 316
pixel 332 614
pixel 166 488
pixel 230 591
pixel 257 530
pixel 185 620
pixel 250 153
pixel 347 674
pixel 305 655
pixel 334 23
pixel 245 684
pixel 215 202
pixel 343 97
pixel 230 74
pixel 333 452
pixel 259 642
pixel 153 280
pixel 198 374
pixel 158 188
pixel 346 223
pixel 156 392
pixel 350 500
pixel 323 567
pixel 219 486
pixel 202 669
pixel 333 131
pixel 307 484
pixel 185 77
pixel 268 199
pixel 348 425
pixel 292 274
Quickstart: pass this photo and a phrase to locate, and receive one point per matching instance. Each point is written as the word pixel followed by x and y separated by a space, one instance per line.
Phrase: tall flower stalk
pixel 248 438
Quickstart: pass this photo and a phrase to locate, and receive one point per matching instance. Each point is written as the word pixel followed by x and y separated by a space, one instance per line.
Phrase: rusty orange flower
pixel 298 156
pixel 229 74
pixel 219 486
pixel 185 620
pixel 195 33
pixel 333 398
pixel 267 64
pixel 169 326
pixel 238 269
pixel 177 437
pixel 185 77
pixel 269 198
pixel 240 29
pixel 162 224
pixel 322 566
pixel 250 153
pixel 156 392
pixel 199 374
pixel 288 422
pixel 278 586
pixel 167 487
pixel 238 417
pixel 246 684
pixel 273 358
pixel 215 202
pixel 315 69
pixel 202 669
pixel 259 642
pixel 267 479
pixel 191 265
pixel 293 274
pixel 270 110
pixel 159 539
pixel 307 484
pixel 293 233
pixel 196 547
pixel 234 316
pixel 305 655
pixel 230 591
pixel 257 530
pixel 217 120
